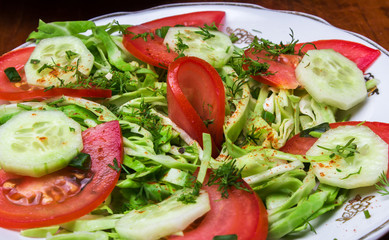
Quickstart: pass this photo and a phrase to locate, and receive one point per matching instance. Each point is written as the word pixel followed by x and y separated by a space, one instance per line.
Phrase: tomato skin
pixel 282 66
pixel 104 144
pixel 22 91
pixel 362 55
pixel 195 93
pixel 242 213
pixel 153 51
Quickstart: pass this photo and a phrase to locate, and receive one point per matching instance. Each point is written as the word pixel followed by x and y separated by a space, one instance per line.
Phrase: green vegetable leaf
pixel 81 161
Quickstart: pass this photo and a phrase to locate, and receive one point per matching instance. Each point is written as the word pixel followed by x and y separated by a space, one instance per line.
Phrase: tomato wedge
pixel 362 55
pixel 282 67
pixel 195 95
pixel 22 91
pixel 242 213
pixel 65 195
pixel 152 50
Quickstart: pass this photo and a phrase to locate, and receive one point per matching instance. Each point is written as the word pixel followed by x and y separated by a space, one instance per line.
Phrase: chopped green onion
pixel 81 161
pixel 35 61
pixel 367 214
pixel 12 74
pixel 268 117
pixel 226 237
pixel 24 106
pixel 161 32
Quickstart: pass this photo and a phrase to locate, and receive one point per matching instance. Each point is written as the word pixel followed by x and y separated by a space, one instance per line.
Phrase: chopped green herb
pixel 234 38
pixel 354 173
pixel 187 198
pixel 56 101
pixel 143 36
pixel 227 176
pixel 207 122
pixel 254 135
pixel 81 161
pixel 226 237
pixel 321 128
pixel 367 214
pixel 348 150
pixel 45 66
pixel 205 33
pixel 268 117
pixel 382 185
pixel 48 88
pixel 12 74
pixel 24 106
pixel 70 54
pixel 180 47
pixel 35 61
pixel 273 49
pixel 115 165
pixel 161 32
pixel 255 68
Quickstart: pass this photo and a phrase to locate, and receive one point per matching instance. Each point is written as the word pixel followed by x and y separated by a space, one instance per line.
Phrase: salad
pixel 167 129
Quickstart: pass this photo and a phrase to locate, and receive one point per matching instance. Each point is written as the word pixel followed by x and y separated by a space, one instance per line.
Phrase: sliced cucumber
pixel 57 61
pixel 35 143
pixel 215 48
pixel 163 219
pixel 331 78
pixel 361 170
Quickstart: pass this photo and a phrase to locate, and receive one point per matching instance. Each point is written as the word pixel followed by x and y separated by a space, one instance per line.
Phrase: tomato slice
pixel 153 51
pixel 195 93
pixel 282 67
pixel 362 55
pixel 242 213
pixel 22 91
pixel 65 195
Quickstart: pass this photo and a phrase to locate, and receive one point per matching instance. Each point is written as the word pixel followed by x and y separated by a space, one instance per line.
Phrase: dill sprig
pixel 254 136
pixel 204 31
pixel 227 176
pixel 180 47
pixel 274 49
pixel 345 151
pixel 382 185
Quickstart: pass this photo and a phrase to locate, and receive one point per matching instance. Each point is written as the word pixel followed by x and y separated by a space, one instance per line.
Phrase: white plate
pixel 348 221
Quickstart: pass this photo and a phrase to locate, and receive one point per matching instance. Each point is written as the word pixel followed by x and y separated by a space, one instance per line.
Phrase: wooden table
pixel 17 19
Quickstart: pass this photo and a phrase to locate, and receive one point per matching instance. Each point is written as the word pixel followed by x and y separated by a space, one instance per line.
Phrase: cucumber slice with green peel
pixel 359 169
pixel 36 143
pixel 168 217
pixel 212 46
pixel 331 78
pixel 57 61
